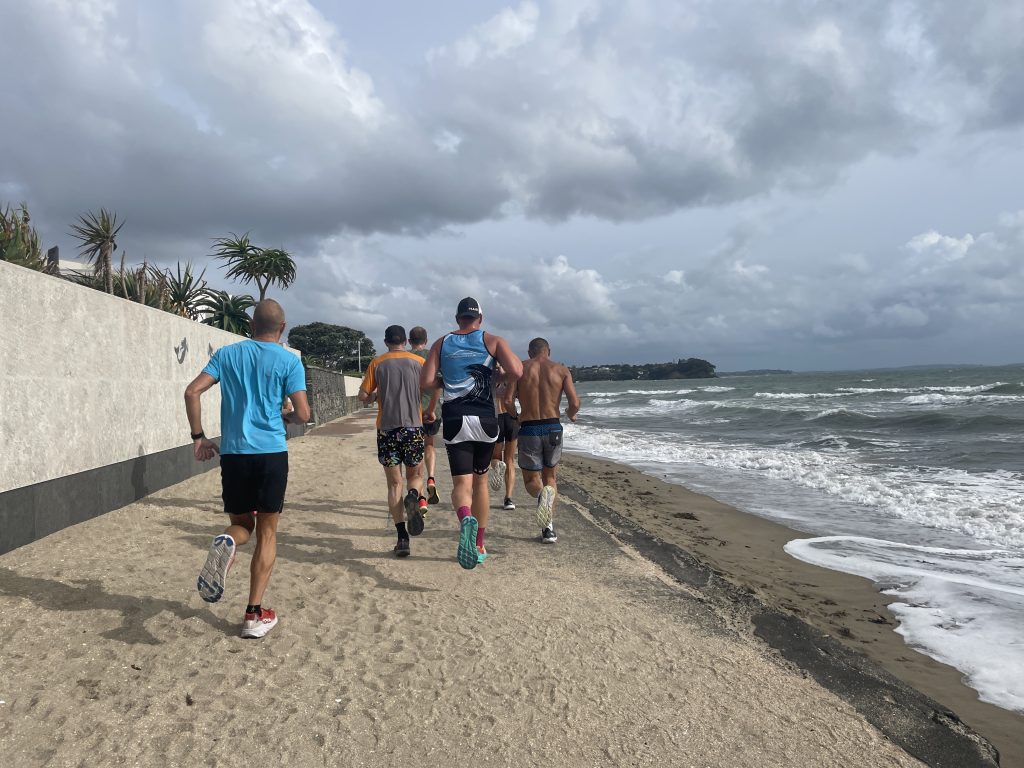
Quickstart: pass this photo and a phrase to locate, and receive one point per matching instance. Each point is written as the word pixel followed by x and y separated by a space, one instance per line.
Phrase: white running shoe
pixel 545 503
pixel 548 535
pixel 257 625
pixel 214 575
pixel 497 478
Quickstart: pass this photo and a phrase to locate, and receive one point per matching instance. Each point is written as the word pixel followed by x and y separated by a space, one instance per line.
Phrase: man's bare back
pixel 541 387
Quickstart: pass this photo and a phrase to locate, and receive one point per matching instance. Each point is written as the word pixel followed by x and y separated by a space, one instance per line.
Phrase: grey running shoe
pixel 548 535
pixel 497 477
pixel 432 497
pixel 214 574
pixel 545 502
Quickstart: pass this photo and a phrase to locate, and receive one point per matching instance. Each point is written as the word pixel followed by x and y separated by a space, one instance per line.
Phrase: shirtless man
pixel 540 391
pixel 465 359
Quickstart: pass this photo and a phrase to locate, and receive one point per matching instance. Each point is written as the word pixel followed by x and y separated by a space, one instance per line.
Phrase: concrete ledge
pixel 34 511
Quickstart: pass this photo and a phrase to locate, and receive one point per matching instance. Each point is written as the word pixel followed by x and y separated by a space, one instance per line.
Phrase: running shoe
pixel 497 475
pixel 257 625
pixel 402 548
pixel 467 554
pixel 432 497
pixel 544 504
pixel 413 516
pixel 508 503
pixel 214 574
pixel 481 555
pixel 548 535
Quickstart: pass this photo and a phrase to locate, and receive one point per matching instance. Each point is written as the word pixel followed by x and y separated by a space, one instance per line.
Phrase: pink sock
pixel 480 537
pixel 463 513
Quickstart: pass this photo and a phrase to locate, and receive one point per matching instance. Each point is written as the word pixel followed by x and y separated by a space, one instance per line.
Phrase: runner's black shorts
pixel 508 427
pixel 469 441
pixel 253 482
pixel 432 428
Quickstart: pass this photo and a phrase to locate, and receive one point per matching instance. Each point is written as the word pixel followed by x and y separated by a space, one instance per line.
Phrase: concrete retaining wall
pixel 92 414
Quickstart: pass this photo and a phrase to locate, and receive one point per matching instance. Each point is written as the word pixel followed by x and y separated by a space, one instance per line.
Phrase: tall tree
pixel 98 237
pixel 227 312
pixel 332 346
pixel 248 263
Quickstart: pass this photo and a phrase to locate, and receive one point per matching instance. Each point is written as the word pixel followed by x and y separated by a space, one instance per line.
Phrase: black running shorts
pixel 466 456
pixel 253 482
pixel 432 428
pixel 508 427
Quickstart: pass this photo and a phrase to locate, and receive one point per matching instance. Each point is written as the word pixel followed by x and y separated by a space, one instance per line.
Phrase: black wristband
pixel 197 435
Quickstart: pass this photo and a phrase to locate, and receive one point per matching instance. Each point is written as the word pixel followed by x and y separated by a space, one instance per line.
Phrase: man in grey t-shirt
pixel 394 378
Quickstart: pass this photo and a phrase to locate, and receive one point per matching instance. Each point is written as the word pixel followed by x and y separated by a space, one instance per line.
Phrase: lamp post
pixel 359 357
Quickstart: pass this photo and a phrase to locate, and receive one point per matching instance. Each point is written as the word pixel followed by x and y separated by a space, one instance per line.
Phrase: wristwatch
pixel 197 435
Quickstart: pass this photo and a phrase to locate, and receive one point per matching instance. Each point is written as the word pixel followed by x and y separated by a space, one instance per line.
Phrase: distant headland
pixel 690 368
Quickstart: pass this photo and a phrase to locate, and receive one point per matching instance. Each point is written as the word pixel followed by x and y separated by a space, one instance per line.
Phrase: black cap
pixel 468 307
pixel 395 334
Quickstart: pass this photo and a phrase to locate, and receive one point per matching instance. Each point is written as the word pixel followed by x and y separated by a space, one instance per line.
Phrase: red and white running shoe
pixel 257 625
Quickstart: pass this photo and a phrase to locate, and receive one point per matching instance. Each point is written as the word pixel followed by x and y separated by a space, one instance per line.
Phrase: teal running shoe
pixel 467 554
pixel 480 557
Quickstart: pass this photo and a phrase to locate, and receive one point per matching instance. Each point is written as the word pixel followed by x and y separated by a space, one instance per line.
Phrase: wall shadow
pixel 89 595
pixel 319 550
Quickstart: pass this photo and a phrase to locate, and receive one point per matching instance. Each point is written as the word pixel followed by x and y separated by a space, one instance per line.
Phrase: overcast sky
pixel 806 185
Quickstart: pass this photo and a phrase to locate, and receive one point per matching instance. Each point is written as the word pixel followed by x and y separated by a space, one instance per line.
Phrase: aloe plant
pixel 19 241
pixel 227 312
pixel 185 291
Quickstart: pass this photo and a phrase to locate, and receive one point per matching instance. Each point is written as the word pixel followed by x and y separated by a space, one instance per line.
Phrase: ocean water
pixel 911 478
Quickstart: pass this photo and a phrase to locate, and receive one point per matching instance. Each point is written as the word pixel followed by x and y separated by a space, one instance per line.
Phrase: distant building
pixel 58 266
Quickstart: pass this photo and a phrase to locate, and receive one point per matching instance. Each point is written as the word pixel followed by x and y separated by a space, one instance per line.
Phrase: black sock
pixel 254 609
pixel 402 533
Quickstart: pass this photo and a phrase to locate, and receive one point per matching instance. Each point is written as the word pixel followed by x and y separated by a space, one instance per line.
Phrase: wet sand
pixel 747 551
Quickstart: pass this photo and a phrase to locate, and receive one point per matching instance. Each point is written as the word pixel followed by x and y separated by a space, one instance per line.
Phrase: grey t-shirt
pixel 396 377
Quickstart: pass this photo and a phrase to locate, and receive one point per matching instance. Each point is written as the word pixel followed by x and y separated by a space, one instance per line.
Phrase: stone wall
pixel 328 393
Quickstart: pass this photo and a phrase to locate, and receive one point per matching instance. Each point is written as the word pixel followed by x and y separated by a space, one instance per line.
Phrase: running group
pixel 465 387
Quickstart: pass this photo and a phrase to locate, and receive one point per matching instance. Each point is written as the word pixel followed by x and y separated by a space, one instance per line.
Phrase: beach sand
pixel 747 551
pixel 583 653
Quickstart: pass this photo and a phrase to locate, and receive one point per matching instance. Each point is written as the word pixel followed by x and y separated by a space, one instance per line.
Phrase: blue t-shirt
pixel 255 377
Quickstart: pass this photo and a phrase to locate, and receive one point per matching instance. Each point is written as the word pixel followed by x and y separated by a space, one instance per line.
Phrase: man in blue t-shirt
pixel 255 376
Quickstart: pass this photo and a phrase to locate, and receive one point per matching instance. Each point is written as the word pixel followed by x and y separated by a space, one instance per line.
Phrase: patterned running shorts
pixel 400 446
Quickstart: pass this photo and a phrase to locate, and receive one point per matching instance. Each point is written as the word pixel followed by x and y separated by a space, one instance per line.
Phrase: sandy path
pixel 577 654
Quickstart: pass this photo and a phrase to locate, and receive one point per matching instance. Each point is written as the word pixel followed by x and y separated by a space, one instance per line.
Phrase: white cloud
pixel 943 246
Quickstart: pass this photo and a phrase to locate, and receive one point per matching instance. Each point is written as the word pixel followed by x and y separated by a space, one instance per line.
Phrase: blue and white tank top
pixel 467 368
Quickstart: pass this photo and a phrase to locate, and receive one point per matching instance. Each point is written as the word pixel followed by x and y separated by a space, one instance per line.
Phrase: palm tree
pixel 98 235
pixel 185 292
pixel 227 312
pixel 249 263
